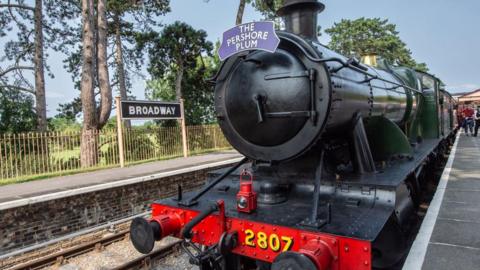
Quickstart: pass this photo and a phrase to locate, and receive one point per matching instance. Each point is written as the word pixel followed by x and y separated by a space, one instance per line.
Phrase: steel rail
pixel 71 235
pixel 147 260
pixel 59 256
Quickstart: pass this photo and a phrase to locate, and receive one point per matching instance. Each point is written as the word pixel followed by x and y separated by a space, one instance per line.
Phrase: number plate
pixel 265 241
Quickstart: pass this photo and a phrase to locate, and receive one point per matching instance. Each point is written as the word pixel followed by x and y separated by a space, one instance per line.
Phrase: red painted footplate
pixel 265 241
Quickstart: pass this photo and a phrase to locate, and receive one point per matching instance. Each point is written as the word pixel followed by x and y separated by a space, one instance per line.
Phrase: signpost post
pixel 184 130
pixel 138 109
pixel 121 154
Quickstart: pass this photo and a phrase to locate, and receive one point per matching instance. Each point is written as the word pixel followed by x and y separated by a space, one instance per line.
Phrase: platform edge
pixel 417 253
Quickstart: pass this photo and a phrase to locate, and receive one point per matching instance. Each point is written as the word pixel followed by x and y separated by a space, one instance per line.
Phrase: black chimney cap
pixel 290 4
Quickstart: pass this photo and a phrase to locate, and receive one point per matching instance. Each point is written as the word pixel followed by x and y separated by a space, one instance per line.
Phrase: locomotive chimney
pixel 300 17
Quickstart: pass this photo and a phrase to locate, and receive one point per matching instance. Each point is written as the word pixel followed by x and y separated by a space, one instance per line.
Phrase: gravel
pixel 120 253
pixel 175 262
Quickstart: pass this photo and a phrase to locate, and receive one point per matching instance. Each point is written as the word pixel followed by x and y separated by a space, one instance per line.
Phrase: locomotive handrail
pixel 352 66
pixel 187 230
pixel 372 77
pixel 349 65
pixel 193 200
pixel 392 89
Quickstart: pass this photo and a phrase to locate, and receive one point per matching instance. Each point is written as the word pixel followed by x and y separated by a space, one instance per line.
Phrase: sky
pixel 445 34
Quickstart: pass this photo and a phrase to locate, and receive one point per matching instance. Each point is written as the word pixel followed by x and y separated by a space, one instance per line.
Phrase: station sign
pixel 137 109
pixel 249 36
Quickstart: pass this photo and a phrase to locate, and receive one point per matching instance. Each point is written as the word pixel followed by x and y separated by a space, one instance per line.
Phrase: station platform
pixel 16 195
pixel 449 237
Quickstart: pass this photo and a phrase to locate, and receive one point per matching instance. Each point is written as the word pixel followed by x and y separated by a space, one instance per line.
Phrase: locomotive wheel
pixel 413 187
pixel 292 260
pixel 390 245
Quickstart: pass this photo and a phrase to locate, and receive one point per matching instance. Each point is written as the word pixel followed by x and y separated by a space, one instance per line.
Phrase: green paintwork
pixel 446 112
pixel 409 78
pixel 386 139
pixel 413 127
pixel 415 130
pixel 429 116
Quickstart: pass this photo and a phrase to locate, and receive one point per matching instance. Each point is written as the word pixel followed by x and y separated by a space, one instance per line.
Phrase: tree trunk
pixel 102 66
pixel 40 101
pixel 88 147
pixel 241 9
pixel 178 81
pixel 120 67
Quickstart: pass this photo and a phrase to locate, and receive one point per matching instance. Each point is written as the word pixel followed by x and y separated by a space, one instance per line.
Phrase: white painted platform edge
pixel 416 256
pixel 113 184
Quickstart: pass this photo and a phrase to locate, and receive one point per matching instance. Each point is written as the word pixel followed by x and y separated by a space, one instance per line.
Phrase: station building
pixel 468 98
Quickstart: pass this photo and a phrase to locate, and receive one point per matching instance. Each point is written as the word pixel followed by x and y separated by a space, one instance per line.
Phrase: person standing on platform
pixel 468 124
pixel 477 121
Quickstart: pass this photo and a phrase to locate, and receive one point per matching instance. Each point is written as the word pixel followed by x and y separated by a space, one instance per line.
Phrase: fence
pixel 33 155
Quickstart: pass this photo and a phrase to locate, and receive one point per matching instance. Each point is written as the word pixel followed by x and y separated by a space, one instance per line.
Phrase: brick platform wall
pixel 31 224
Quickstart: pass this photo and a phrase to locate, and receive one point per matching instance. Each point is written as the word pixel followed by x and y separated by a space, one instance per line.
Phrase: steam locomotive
pixel 337 156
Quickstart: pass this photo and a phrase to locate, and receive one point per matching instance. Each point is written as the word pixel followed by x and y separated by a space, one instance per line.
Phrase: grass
pixel 28 178
pixel 41 157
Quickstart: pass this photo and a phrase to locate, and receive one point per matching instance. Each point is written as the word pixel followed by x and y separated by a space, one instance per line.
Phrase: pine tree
pixel 25 53
pixel 95 68
pixel 181 61
pixel 178 44
pixel 128 23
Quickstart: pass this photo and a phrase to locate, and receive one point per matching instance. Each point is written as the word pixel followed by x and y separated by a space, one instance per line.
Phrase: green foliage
pixel 161 89
pixel 268 8
pixel 111 123
pixel 180 47
pixel 366 36
pixel 144 11
pixel 197 92
pixel 135 21
pixel 16 112
pixel 19 50
pixel 65 120
pixel 29 160
pixel 70 110
pixel 178 43
pixel 63 124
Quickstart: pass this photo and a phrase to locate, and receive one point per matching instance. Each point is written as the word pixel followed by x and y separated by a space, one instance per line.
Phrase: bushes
pixel 28 155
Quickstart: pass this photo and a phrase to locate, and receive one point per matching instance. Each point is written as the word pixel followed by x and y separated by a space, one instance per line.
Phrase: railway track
pixel 146 261
pixel 58 258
